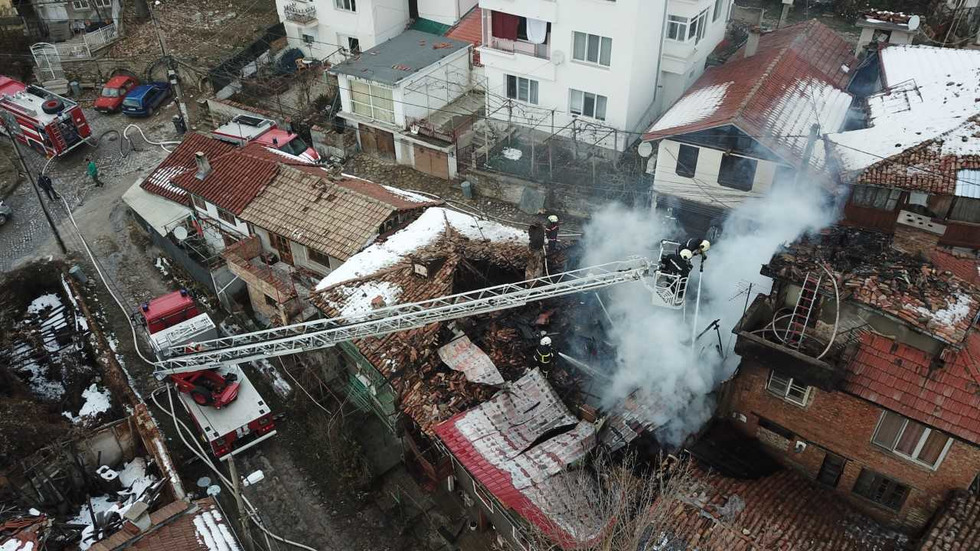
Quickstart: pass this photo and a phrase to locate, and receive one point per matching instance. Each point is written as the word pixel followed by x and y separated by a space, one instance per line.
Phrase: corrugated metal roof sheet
pixel 968 183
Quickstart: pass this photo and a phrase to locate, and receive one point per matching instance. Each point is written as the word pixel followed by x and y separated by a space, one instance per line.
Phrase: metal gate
pixel 48 62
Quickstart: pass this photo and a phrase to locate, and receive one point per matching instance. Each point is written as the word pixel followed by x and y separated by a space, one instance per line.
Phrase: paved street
pixel 27 236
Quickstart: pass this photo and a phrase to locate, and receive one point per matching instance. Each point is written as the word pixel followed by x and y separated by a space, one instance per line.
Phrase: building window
pixel 785 388
pixel 687 161
pixel 309 39
pixel 875 197
pixel 522 89
pixel 483 495
pixel 199 203
pixel 103 3
pixel 80 4
pixel 227 216
pixel 372 100
pixel 587 104
pixel 831 469
pixel 737 172
pixel 698 26
pixel 717 10
pixel 316 256
pixel 910 439
pixel 353 45
pixel 591 48
pixel 677 28
pixel 346 5
pixel 881 489
pixel 965 209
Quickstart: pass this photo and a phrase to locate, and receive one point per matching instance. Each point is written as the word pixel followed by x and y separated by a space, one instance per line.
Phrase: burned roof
pixel 503 443
pixel 400 57
pixel 196 526
pixel 906 380
pixel 796 78
pixel 957 527
pixel 780 511
pixel 179 161
pixel 336 217
pixel 870 272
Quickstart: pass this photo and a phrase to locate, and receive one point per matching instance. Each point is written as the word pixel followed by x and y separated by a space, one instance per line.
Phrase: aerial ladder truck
pixel 667 290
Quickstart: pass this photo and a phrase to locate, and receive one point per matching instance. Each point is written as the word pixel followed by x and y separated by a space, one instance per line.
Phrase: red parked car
pixel 111 98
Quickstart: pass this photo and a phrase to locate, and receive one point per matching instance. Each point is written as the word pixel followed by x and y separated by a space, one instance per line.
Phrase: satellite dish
pixel 913 22
pixel 645 149
pixel 180 233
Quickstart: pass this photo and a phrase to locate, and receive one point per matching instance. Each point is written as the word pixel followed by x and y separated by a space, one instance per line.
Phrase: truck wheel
pixel 202 396
pixel 52 106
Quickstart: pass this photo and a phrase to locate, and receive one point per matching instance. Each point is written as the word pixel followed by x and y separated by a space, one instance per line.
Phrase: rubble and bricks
pixel 843 424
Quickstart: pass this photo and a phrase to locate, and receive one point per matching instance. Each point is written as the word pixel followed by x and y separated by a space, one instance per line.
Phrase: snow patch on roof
pixel 693 107
pixel 417 235
pixel 805 102
pixel 17 545
pixel 413 197
pixel 97 400
pixel 213 533
pixel 358 298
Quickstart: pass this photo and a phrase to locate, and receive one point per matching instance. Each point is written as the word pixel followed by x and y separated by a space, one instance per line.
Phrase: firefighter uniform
pixel 543 355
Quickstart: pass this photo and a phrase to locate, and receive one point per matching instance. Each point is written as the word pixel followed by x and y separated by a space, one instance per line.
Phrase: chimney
pixel 752 44
pixel 916 234
pixel 203 166
pixel 137 518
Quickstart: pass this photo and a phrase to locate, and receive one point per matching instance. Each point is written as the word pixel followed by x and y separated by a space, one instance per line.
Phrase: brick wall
pixel 914 241
pixel 844 424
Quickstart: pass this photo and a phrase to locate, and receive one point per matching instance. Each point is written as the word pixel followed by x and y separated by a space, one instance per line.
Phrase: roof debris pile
pixel 452 247
pixel 869 271
pixel 181 525
pixel 503 443
pixel 780 511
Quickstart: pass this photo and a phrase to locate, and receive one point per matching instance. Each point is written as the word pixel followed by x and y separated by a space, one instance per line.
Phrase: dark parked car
pixel 143 100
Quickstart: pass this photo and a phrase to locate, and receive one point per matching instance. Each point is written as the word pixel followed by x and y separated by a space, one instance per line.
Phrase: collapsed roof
pixel 870 272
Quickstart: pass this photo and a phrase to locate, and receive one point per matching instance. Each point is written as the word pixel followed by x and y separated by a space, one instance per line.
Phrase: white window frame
pixel 203 207
pixel 716 11
pixel 80 4
pixel 476 490
pixel 681 23
pixel 372 95
pixel 785 394
pixel 103 4
pixel 918 446
pixel 531 83
pixel 698 25
pixel 599 51
pixel 346 5
pixel 580 108
pixel 234 219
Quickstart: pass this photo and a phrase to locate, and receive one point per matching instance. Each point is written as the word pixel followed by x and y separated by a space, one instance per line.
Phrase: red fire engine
pixel 225 406
pixel 43 120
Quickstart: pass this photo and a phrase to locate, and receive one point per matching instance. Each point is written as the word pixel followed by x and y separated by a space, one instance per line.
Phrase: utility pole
pixel 171 70
pixel 811 142
pixel 44 208
pixel 236 487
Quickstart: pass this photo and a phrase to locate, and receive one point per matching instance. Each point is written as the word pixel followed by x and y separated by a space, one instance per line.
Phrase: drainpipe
pixel 660 57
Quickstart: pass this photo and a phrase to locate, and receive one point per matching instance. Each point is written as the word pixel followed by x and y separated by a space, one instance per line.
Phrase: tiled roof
pixel 957 528
pixel 965 267
pixel 181 160
pixel 794 79
pixel 336 218
pixel 470 29
pixel 781 511
pixel 178 526
pixel 903 379
pixel 235 179
pixel 498 442
pixel 870 272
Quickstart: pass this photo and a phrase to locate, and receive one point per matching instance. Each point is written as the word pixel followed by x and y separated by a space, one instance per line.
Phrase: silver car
pixel 5 212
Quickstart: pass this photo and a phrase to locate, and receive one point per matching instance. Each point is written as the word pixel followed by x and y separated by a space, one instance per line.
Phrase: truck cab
pixel 243 129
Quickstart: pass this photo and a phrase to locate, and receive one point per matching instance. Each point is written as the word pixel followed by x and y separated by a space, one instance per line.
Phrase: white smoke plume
pixel 654 355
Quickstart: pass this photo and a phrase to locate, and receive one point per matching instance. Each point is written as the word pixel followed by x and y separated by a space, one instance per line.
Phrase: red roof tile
pixel 964 267
pixel 957 527
pixel 235 179
pixel 898 377
pixel 469 29
pixel 757 86
pixel 181 160
pixel 781 511
pixel 173 528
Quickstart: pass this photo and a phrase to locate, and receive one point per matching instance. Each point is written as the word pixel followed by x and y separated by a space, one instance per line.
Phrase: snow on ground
pixel 282 388
pixel 213 532
pixel 512 153
pixel 96 401
pixel 163 265
pixel 358 298
pixel 47 307
pixel 419 234
pixel 694 107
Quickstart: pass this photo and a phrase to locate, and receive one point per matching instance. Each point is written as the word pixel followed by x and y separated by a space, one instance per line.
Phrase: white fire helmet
pixel 553 219
pixel 705 245
pixel 545 341
pixel 686 254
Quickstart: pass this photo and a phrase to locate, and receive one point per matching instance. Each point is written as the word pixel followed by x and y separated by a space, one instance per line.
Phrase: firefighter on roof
pixel 543 354
pixel 551 231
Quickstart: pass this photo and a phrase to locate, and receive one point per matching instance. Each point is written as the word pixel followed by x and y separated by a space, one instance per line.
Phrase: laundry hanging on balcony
pixel 537 31
pixel 505 25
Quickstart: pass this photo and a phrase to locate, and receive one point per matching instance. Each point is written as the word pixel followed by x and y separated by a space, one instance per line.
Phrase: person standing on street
pixel 93 172
pixel 44 182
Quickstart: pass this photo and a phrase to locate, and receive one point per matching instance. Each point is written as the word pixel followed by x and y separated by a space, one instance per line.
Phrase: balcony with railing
pixel 541 51
pixel 300 12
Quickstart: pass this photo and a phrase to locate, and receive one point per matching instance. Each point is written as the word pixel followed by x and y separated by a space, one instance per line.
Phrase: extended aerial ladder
pixel 667 290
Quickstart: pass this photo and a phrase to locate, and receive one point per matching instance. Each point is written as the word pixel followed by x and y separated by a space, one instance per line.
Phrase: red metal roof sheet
pixel 902 379
pixel 181 160
pixel 235 179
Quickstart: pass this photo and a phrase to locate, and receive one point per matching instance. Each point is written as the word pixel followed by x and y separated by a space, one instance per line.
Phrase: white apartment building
pixel 329 29
pixel 600 70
